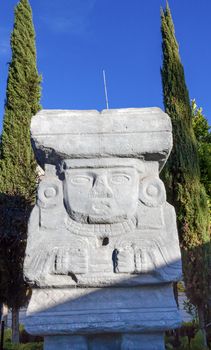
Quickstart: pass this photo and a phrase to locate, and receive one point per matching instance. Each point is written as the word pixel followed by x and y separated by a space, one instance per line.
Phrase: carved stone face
pixel 101 195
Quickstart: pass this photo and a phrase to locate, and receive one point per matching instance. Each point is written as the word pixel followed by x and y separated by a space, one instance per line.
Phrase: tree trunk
pixel 202 325
pixel 4 315
pixel 176 293
pixel 15 325
pixel 2 336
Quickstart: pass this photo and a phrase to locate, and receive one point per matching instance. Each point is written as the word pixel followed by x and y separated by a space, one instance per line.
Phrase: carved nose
pixel 101 188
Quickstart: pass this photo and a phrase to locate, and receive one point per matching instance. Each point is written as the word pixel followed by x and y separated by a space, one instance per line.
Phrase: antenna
pixel 105 88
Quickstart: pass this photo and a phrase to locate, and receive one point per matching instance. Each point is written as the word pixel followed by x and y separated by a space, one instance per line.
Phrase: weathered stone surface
pixel 143 342
pixel 65 342
pixel 132 132
pixel 102 245
pixel 106 342
pixel 102 310
pixel 98 226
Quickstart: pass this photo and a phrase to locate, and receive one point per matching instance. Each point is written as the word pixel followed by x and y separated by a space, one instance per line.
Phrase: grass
pixel 8 345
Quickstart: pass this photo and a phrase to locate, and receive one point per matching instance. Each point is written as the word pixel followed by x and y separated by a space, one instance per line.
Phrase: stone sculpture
pixel 102 248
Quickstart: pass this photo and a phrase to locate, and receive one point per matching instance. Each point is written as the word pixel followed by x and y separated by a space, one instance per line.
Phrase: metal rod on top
pixel 105 88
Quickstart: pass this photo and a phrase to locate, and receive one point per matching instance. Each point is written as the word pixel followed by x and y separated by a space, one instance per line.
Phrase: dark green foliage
pixel 202 131
pixel 17 165
pixel 182 174
pixel 29 345
pixel 22 101
pixel 196 343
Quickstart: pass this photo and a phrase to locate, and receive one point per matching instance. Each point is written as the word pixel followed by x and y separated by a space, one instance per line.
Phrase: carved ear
pixel 49 193
pixel 152 192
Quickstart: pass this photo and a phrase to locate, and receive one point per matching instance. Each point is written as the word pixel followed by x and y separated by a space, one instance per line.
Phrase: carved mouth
pixel 101 207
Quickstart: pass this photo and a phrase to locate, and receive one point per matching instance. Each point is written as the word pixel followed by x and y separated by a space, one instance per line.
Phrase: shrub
pixel 196 343
pixel 8 345
pixel 29 346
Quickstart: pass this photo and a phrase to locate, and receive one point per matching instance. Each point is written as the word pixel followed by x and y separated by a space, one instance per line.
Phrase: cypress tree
pixel 202 132
pixel 182 174
pixel 17 165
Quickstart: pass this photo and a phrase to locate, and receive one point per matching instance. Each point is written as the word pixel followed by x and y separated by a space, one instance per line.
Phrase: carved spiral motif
pixel 48 194
pixel 152 192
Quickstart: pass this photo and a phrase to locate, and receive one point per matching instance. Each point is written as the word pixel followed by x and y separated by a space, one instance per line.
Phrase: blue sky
pixel 77 39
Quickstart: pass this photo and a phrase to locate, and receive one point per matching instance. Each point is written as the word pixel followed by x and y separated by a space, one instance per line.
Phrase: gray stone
pixel 102 310
pixel 143 342
pixel 101 225
pixel 106 342
pixel 137 133
pixel 65 342
pixel 102 247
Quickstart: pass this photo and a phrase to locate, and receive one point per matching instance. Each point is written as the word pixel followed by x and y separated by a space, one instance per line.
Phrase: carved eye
pixel 80 180
pixel 119 179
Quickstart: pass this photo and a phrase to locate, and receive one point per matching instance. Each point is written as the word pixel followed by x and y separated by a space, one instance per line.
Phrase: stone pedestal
pixel 151 341
pixel 102 249
pixel 102 310
pixel 103 318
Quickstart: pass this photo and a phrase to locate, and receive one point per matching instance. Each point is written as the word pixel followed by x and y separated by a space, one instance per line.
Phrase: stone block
pixel 102 249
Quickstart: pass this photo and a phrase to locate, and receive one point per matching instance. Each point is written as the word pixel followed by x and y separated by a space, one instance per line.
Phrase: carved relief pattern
pixel 152 192
pixel 48 193
pixel 124 240
pixel 69 260
pixel 102 246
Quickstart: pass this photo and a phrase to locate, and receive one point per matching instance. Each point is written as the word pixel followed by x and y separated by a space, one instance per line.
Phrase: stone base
pixel 103 318
pixel 153 341
pixel 102 310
